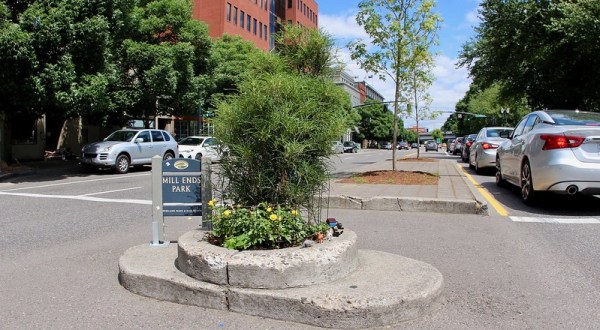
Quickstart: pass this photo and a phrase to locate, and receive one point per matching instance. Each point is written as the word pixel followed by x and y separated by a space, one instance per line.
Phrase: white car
pixel 129 147
pixel 199 146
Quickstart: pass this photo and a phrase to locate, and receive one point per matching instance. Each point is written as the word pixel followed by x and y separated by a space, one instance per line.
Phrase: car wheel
pixel 528 194
pixel 476 166
pixel 122 164
pixel 499 179
pixel 198 156
pixel 168 155
pixel 471 166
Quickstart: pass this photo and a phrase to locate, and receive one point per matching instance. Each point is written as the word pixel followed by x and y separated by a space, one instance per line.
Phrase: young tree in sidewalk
pixel 396 29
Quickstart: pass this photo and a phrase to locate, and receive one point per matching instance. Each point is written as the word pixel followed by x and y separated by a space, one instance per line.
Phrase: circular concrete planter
pixel 267 269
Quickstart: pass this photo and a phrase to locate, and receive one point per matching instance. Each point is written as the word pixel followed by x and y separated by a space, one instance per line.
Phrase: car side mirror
pixel 139 140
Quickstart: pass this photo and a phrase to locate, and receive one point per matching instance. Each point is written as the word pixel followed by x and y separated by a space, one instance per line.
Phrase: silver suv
pixel 129 147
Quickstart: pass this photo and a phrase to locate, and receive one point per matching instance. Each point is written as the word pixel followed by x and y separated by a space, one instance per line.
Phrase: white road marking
pixel 581 220
pixel 82 198
pixel 76 182
pixel 110 191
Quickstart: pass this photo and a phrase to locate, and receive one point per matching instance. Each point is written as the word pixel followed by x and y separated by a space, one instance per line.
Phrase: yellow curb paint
pixel 497 206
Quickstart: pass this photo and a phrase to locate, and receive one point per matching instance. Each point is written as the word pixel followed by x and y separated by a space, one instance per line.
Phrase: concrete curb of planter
pixel 406 204
pixel 267 269
pixel 385 289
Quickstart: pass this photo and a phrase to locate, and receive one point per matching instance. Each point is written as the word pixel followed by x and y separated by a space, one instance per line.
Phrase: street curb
pixel 405 204
pixel 385 289
pixel 483 209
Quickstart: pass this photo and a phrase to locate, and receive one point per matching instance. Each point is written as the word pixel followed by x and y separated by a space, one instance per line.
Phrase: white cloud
pixel 342 27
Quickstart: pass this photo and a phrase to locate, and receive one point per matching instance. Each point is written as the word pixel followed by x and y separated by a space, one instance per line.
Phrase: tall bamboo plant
pixel 280 126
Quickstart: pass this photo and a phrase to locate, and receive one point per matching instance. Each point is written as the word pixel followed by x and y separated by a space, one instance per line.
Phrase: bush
pixel 279 131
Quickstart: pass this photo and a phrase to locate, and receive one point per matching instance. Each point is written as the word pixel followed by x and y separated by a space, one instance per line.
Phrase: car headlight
pixel 105 149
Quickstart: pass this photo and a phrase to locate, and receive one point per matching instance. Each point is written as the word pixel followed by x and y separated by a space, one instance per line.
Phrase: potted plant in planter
pixel 278 130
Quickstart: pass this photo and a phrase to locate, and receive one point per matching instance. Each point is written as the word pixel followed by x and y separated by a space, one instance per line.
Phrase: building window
pixel 248 22
pixel 254 25
pixel 235 15
pixel 228 13
pixel 260 30
pixel 242 17
pixel 290 3
pixel 265 35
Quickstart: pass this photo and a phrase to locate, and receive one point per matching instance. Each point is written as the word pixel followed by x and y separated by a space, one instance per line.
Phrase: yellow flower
pixel 226 213
pixel 273 217
pixel 269 209
pixel 294 212
pixel 212 202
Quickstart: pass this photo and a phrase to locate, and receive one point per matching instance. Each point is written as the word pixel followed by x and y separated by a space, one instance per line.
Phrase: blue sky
pixel 459 19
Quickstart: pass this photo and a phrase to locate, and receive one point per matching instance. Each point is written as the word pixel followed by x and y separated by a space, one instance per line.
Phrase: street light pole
pixel 505 112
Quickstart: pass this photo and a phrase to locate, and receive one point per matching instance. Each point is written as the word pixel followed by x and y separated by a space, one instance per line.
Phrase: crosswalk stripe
pixel 581 220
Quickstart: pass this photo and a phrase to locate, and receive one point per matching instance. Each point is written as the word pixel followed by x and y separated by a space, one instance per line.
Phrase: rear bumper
pixel 557 175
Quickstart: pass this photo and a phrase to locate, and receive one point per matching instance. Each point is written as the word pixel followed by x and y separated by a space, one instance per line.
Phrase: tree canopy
pixel 541 50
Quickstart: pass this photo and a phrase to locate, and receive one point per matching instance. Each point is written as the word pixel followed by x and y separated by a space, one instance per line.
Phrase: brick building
pixel 254 20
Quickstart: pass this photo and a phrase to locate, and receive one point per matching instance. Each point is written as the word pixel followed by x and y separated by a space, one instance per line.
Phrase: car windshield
pixel 348 144
pixel 191 141
pixel 496 132
pixel 121 136
pixel 564 117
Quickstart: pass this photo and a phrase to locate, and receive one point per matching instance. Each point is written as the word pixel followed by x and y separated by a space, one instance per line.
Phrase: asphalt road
pixel 62 237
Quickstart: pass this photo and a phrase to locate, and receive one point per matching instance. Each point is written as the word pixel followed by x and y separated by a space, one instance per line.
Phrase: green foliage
pixel 261 227
pixel 279 137
pixel 543 51
pixel 376 123
pixel 306 51
pixel 437 134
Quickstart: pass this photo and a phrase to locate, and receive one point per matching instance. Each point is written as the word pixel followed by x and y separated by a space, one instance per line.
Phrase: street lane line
pixel 82 198
pixel 110 191
pixel 76 182
pixel 557 220
pixel 497 206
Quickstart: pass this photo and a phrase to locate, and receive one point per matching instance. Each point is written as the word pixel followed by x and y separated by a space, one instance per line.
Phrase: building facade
pixel 254 20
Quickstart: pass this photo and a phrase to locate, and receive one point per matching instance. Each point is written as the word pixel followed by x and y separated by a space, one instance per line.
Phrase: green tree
pixel 437 134
pixel 376 122
pixel 163 61
pixel 543 51
pixel 400 31
pixel 55 59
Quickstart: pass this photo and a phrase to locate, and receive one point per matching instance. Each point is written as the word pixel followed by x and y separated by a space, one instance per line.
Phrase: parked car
pixel 552 151
pixel 483 150
pixel 129 147
pixel 199 146
pixel 431 145
pixel 457 146
pixel 386 146
pixel 350 146
pixel 337 147
pixel 466 147
pixel 449 145
pixel 403 145
pixel 414 145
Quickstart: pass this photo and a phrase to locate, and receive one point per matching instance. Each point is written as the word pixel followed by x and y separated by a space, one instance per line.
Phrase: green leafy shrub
pixel 261 227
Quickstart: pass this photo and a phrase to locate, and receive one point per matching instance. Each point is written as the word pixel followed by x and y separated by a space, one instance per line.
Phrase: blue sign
pixel 181 187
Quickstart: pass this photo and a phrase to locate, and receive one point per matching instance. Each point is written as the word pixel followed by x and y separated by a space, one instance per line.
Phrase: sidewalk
pixel 452 194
